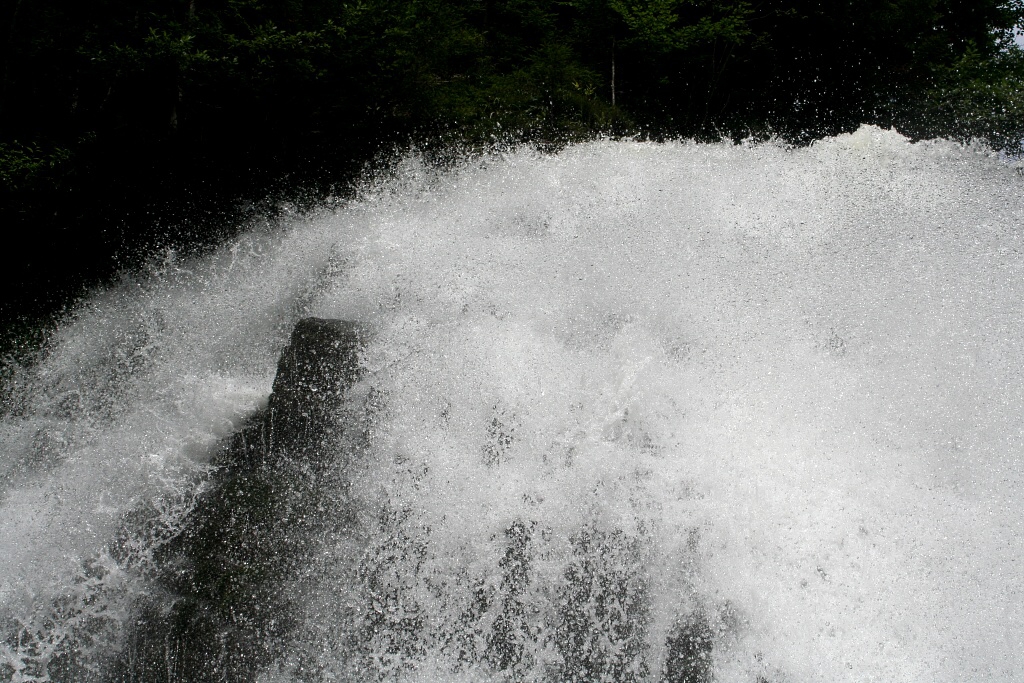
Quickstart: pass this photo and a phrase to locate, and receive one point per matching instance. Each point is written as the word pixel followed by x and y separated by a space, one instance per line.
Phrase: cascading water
pixel 632 412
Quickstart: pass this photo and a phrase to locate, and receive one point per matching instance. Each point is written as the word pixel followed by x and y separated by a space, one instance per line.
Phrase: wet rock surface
pixel 229 585
pixel 222 609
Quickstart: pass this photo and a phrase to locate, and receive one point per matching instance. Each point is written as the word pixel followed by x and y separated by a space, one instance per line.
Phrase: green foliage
pixel 976 97
pixel 119 116
pixel 25 166
pixel 267 77
pixel 655 24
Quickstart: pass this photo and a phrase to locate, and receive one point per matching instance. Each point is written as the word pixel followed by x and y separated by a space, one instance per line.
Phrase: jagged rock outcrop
pixel 223 605
pixel 221 609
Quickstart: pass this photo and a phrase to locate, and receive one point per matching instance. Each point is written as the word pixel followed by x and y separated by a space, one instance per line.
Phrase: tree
pixel 119 118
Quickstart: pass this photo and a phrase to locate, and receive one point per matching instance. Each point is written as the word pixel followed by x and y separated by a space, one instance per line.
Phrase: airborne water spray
pixel 631 412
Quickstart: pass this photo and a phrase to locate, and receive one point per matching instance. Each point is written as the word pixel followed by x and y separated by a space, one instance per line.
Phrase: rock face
pixel 314 372
pixel 222 609
pixel 230 586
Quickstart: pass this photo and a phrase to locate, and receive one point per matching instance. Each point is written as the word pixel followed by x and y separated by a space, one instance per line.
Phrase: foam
pixel 791 376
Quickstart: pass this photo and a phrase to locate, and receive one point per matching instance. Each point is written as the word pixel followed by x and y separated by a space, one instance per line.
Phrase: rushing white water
pixel 784 385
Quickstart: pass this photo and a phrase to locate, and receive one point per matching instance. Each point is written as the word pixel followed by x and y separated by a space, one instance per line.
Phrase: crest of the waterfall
pixel 631 412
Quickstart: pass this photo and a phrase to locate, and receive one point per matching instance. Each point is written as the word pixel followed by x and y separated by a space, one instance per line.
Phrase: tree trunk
pixel 613 72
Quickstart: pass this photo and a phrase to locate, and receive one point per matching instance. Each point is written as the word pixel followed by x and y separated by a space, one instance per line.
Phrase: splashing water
pixel 633 412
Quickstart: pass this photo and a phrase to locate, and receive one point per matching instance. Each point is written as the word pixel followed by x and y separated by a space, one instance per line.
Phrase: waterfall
pixel 629 412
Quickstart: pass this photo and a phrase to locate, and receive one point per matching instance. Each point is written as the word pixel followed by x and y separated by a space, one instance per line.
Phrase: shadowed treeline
pixel 125 126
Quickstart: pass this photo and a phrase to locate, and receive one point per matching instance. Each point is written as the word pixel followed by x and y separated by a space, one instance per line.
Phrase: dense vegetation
pixel 125 124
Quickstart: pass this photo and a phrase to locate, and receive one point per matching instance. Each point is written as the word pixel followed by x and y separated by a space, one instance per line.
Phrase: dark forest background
pixel 129 126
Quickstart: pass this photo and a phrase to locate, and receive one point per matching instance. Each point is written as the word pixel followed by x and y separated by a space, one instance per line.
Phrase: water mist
pixel 630 412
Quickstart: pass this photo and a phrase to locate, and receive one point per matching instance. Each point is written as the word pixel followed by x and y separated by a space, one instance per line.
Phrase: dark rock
pixel 314 372
pixel 605 610
pixel 223 605
pixel 511 630
pixel 690 646
pixel 221 609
